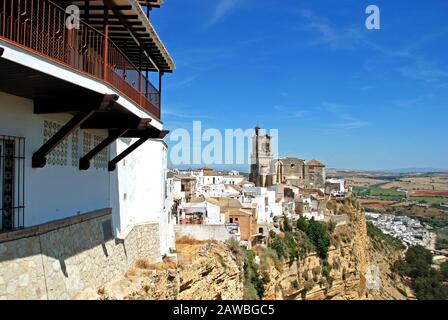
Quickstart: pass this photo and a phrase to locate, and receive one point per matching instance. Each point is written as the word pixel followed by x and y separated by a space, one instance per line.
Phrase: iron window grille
pixel 12 182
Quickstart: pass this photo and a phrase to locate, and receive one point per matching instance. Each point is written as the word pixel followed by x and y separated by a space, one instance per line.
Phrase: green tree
pixel 302 224
pixel 419 261
pixel 318 234
pixel 291 245
pixel 253 281
pixel 427 283
pixel 286 225
pixel 444 270
pixel 430 287
pixel 279 246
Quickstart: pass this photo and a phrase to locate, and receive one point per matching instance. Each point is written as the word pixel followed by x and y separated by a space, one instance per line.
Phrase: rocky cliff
pixel 357 267
pixel 203 270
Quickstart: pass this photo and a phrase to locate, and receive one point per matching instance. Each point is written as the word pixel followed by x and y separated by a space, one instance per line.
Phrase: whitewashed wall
pixel 52 192
pixel 137 188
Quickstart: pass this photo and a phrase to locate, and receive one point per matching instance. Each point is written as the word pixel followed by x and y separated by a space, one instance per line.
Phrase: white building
pixel 201 211
pixel 234 179
pixel 335 187
pixel 264 201
pixel 208 176
pixel 83 161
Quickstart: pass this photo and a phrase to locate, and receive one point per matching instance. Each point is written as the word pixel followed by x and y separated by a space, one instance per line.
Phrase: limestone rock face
pixel 350 257
pixel 210 270
pixel 213 274
pixel 203 271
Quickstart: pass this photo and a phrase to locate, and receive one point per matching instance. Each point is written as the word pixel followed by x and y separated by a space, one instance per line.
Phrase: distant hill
pixel 331 172
pixel 416 170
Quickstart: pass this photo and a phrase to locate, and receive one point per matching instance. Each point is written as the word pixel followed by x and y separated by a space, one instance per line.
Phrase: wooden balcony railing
pixel 40 27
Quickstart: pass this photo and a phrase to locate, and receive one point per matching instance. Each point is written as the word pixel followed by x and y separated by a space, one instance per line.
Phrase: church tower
pixel 261 158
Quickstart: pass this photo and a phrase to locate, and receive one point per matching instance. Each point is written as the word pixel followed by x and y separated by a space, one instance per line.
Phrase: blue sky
pixel 348 96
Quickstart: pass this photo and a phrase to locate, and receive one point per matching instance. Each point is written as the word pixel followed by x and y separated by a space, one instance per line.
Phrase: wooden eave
pixel 151 3
pixel 129 29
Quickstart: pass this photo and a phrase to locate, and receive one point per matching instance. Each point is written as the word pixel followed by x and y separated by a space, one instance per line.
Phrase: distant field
pixel 422 183
pixel 374 203
pixel 431 200
pixel 429 193
pixel 442 239
pixel 380 193
pixel 364 182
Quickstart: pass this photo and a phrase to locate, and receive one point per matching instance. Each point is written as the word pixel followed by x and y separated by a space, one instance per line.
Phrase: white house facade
pixel 82 158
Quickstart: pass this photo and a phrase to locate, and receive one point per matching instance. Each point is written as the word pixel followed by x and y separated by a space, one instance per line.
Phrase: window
pixel 12 182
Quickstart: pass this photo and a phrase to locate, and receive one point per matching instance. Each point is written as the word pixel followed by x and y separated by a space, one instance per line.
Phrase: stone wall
pixel 61 259
pixel 203 232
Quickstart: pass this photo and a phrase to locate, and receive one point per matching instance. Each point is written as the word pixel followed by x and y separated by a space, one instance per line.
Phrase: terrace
pixel 113 42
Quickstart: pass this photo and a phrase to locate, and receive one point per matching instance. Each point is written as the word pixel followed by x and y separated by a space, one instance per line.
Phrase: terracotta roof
pixel 240 212
pixel 304 191
pixel 202 199
pixel 245 182
pixel 315 163
pixel 229 203
pixel 212 173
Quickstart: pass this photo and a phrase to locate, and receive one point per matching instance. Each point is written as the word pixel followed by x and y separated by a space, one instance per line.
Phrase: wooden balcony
pixel 39 26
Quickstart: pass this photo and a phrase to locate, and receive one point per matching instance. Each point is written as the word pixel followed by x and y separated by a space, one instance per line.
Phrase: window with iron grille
pixel 12 182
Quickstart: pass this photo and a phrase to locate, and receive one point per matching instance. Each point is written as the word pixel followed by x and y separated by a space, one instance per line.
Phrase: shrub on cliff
pixel 287 225
pixel 427 283
pixel 295 284
pixel 304 247
pixel 253 282
pixel 430 287
pixel 235 247
pixel 291 246
pixel 444 270
pixel 279 246
pixel 318 234
pixel 309 285
pixel 302 223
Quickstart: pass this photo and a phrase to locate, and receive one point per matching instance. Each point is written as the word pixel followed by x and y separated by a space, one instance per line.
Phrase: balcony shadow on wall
pixel 58 242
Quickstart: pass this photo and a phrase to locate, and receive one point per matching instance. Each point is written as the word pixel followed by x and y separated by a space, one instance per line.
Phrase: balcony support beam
pixel 84 162
pixel 114 134
pixel 39 159
pixel 144 135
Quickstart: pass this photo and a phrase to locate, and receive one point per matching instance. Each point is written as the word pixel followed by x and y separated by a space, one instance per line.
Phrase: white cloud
pixel 425 72
pixel 184 114
pixel 342 120
pixel 290 112
pixel 326 34
pixel 182 83
pixel 223 7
